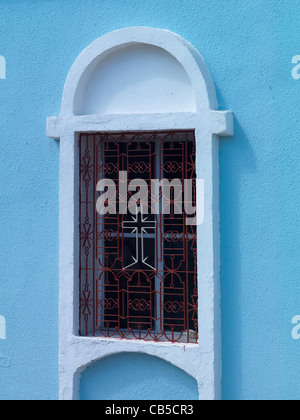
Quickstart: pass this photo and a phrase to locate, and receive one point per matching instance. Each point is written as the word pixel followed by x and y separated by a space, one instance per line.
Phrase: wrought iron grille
pixel 138 271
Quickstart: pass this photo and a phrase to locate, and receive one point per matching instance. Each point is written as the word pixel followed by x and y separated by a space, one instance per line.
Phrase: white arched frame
pixel 202 361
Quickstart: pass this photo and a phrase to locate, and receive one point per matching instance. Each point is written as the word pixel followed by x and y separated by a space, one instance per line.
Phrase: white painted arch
pixel 167 42
pixel 84 111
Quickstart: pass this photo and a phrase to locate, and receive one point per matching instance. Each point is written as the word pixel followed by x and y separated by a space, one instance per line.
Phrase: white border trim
pixel 202 361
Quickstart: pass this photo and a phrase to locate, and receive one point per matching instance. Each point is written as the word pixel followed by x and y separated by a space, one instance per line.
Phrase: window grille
pixel 138 272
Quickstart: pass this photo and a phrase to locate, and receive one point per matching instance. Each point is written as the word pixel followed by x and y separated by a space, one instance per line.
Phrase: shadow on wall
pixel 237 158
pixel 134 376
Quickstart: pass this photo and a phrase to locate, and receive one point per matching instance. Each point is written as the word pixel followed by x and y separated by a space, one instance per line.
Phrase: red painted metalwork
pixel 138 273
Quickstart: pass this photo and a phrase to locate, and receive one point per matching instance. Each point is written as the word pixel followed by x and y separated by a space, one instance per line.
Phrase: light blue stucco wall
pixel 124 377
pixel 248 47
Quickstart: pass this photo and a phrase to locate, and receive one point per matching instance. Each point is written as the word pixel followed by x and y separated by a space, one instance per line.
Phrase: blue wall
pixel 248 47
pixel 135 376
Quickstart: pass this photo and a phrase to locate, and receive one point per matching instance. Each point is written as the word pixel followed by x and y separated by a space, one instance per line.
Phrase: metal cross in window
pixel 141 227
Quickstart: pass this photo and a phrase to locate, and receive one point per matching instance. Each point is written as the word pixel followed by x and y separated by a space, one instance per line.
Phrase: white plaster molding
pixel 184 53
pixel 202 361
pixel 217 122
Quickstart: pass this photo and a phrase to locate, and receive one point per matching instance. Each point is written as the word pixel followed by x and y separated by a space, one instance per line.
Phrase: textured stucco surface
pixel 248 47
pixel 121 378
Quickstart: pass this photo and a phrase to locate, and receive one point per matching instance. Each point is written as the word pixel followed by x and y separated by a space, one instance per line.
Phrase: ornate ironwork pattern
pixel 138 272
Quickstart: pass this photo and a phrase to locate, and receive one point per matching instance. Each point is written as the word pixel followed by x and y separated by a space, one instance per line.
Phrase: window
pixel 142 103
pixel 138 267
